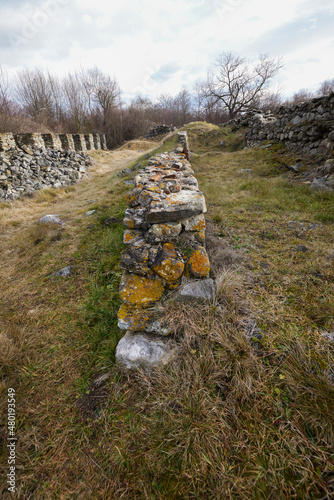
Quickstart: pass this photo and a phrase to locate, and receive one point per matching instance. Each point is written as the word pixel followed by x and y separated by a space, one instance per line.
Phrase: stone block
pixel 140 320
pixel 141 350
pixel 159 233
pixel 139 291
pixel 198 265
pixel 196 291
pixel 177 206
pixel 168 264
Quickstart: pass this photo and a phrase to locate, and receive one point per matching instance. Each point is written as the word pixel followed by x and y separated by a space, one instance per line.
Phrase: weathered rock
pixel 198 265
pixel 196 223
pixel 141 350
pixel 301 248
pixel 168 264
pixel 135 258
pixel 177 206
pixel 139 291
pixel 140 320
pixel 66 271
pixel 54 219
pixel 195 291
pixel 159 233
pixel 135 218
pixel 329 166
pixel 166 229
pixel 132 236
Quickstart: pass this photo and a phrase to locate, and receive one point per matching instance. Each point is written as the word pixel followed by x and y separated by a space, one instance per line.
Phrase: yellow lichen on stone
pixel 130 235
pixel 129 223
pixel 167 264
pixel 135 319
pixel 132 198
pixel 198 266
pixel 200 237
pixel 170 270
pixel 139 291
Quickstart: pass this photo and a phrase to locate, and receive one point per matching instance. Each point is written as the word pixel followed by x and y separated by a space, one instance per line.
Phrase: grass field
pixel 244 412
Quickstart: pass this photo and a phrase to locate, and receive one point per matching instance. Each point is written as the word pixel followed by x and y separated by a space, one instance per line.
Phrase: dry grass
pixel 138 145
pixel 230 417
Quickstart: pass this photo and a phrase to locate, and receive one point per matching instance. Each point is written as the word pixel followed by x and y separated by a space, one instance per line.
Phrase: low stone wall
pixel 165 257
pixel 29 162
pixel 64 142
pixel 307 126
pixel 159 130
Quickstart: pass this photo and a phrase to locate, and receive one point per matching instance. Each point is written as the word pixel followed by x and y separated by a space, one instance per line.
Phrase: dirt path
pixel 18 219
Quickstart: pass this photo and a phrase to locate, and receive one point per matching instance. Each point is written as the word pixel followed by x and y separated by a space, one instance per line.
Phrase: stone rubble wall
pixel 65 142
pixel 29 162
pixel 307 127
pixel 165 257
pixel 159 130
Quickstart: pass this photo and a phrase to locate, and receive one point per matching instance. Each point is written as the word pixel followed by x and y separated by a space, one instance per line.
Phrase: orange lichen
pixel 198 265
pixel 132 197
pixel 167 264
pixel 138 291
pixel 135 319
pixel 130 223
pixel 130 235
pixel 200 237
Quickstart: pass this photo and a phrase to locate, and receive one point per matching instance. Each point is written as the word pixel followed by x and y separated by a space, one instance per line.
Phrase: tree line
pixel 89 100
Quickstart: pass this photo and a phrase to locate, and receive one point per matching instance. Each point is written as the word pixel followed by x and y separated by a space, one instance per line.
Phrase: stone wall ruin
pixel 29 162
pixel 164 259
pixel 307 127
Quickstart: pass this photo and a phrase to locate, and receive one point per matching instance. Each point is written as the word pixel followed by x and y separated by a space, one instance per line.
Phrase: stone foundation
pixel 165 257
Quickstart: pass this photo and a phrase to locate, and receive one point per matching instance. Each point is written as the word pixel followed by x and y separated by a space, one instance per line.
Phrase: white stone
pixel 141 350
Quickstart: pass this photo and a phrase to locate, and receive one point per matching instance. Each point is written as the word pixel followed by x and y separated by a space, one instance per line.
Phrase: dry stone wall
pixel 307 126
pixel 29 162
pixel 165 257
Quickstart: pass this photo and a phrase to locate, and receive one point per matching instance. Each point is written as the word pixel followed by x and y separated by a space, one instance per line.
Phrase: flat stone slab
pixel 197 291
pixel 141 350
pixel 177 206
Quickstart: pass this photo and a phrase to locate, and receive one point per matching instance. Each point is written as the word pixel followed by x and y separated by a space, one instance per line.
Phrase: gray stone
pixel 329 166
pixel 51 218
pixel 195 291
pixel 163 232
pixel 331 136
pixel 141 350
pixel 328 336
pixel 90 212
pixel 66 271
pixel 177 206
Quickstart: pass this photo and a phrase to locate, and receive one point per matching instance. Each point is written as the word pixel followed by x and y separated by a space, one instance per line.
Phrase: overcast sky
pixel 153 47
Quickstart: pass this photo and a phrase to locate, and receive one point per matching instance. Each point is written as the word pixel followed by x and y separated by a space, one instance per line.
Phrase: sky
pixel 156 47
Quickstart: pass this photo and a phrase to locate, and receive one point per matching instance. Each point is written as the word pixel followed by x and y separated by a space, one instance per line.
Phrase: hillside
pixel 245 411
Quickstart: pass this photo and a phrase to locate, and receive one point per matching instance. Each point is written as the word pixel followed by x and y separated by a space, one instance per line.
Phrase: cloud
pixel 160 47
pixel 166 71
pixel 296 34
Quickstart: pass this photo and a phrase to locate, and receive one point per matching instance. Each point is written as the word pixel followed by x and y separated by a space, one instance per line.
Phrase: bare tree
pixel 236 84
pixel 77 106
pixel 33 92
pixel 326 87
pixel 182 105
pixel 102 90
pixel 301 96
